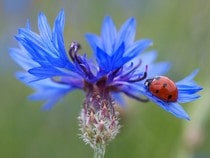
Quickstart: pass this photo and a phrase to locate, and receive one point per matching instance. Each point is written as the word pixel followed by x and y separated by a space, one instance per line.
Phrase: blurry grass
pixel 195 136
pixel 180 31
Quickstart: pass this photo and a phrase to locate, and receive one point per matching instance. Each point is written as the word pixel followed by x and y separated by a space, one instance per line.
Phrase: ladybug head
pixel 148 82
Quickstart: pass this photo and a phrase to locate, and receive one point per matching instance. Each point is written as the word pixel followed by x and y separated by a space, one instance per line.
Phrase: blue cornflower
pixel 49 69
pixel 119 67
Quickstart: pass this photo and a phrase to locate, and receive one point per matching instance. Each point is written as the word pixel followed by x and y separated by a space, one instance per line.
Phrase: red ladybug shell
pixel 163 88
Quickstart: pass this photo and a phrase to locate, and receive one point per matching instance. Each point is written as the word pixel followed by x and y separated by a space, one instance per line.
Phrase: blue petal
pixel 158 69
pixel 46 33
pixel 46 72
pixel 137 48
pixel 50 91
pixel 148 57
pixel 28 25
pixel 171 107
pixel 44 28
pixel 184 98
pixel 60 20
pixel 108 63
pixel 117 59
pixel 187 88
pixel 57 36
pixel 127 33
pixel 26 77
pixel 108 35
pixel 94 41
pixel 177 110
pixel 22 58
pixel 154 69
pixel 45 89
pixel 103 59
pixel 30 38
pixel 34 45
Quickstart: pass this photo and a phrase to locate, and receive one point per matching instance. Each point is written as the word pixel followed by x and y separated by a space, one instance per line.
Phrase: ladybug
pixel 163 88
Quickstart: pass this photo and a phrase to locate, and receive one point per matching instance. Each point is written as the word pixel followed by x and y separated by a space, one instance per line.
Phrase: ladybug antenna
pixel 146 68
pixel 141 78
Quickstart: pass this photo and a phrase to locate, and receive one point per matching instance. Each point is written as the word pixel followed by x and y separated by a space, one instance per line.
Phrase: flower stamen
pixel 73 53
pixel 74 47
pixel 141 78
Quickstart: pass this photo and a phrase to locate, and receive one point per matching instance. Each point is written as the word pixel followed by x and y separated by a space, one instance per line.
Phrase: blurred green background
pixel 181 34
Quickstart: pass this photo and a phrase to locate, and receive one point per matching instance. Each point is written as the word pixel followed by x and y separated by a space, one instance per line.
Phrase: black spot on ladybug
pixel 164 85
pixel 157 91
pixel 169 96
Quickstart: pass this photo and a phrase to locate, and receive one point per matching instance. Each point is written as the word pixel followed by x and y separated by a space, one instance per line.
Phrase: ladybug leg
pixel 141 78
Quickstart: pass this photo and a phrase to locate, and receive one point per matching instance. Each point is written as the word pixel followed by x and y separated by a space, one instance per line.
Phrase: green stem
pixel 99 151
